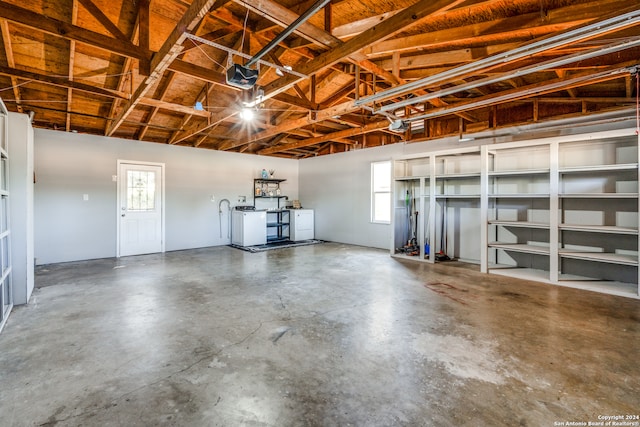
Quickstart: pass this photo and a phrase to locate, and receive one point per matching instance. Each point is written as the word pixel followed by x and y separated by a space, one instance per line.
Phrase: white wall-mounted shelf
pixel 610 229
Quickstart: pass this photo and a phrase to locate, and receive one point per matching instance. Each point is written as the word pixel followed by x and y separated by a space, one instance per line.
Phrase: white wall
pixel 338 188
pixel 21 206
pixel 69 165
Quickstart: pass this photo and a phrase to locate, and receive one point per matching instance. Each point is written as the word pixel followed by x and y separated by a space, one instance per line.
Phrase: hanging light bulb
pixel 246 114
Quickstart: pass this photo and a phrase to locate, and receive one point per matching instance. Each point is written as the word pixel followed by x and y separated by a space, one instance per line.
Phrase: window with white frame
pixel 381 192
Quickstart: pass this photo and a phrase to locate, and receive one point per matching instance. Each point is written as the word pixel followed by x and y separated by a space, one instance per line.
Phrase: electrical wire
pixel 16 86
pixel 75 79
pixel 244 30
pixel 205 54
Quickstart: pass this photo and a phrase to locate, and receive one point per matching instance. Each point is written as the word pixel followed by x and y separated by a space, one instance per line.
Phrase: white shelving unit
pixel 6 291
pixel 518 221
pixel 439 186
pixel 560 210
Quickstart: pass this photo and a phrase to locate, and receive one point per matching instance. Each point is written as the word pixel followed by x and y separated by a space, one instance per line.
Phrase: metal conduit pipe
pixel 587 31
pixel 599 51
pixel 511 96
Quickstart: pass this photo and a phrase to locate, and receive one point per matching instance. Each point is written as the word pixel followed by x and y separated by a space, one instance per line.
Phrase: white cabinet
pixel 249 228
pixel 301 224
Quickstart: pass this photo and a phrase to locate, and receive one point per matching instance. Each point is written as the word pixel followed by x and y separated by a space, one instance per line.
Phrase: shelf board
pixel 598 195
pixel 609 258
pixel 520 272
pixel 519 196
pixel 601 168
pixel 521 247
pixel 521 224
pixel 458 175
pixel 611 229
pixel 270 197
pixel 519 172
pixel 277 224
pixel 268 180
pixel 277 239
pixel 622 289
pixel 457 196
pixel 410 178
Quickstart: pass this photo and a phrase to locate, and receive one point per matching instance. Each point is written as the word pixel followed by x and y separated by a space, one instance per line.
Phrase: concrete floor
pixel 324 335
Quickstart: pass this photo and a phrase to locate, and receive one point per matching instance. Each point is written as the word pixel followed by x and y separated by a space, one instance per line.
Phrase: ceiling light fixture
pixel 247 114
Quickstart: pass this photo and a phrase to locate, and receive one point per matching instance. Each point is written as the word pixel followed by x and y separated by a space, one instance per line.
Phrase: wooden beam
pixel 215 120
pixel 398 23
pixel 340 135
pixel 176 108
pixel 352 29
pixel 167 53
pixel 159 94
pixel 288 125
pixel 68 31
pixel 143 34
pixel 63 82
pixel 518 28
pixel 533 90
pixel 8 49
pixel 72 57
pixel 102 19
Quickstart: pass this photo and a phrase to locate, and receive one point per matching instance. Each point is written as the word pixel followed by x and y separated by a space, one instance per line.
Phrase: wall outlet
pixel 85 197
pixel 242 199
pixel 114 178
pixel 213 198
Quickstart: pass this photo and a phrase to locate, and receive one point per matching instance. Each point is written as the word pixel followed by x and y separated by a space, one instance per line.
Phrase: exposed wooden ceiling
pixel 131 68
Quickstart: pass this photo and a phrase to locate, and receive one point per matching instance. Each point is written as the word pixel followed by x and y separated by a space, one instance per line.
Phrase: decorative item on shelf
pixel 271 172
pixel 278 192
pixel 258 191
pixel 270 193
pixel 265 174
pixel 296 204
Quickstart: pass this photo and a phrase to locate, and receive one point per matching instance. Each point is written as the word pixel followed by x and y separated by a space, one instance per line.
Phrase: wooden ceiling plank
pixel 68 31
pixel 352 29
pixel 62 82
pixel 371 127
pixel 168 52
pixel 159 95
pixel 215 120
pixel 126 76
pixel 8 49
pixel 399 22
pixel 72 56
pixel 143 35
pixel 102 19
pixel 523 27
pixel 296 87
pixel 288 125
pixel 535 90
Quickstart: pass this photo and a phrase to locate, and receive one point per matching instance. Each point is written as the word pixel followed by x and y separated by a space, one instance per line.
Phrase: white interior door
pixel 140 208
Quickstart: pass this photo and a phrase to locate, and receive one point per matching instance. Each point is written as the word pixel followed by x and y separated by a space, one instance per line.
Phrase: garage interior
pixel 491 280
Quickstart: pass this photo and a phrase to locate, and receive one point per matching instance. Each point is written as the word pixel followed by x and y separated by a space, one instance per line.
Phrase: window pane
pixel 382 176
pixel 141 190
pixel 382 207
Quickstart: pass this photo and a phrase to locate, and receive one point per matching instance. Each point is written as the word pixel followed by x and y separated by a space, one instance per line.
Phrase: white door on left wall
pixel 140 208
